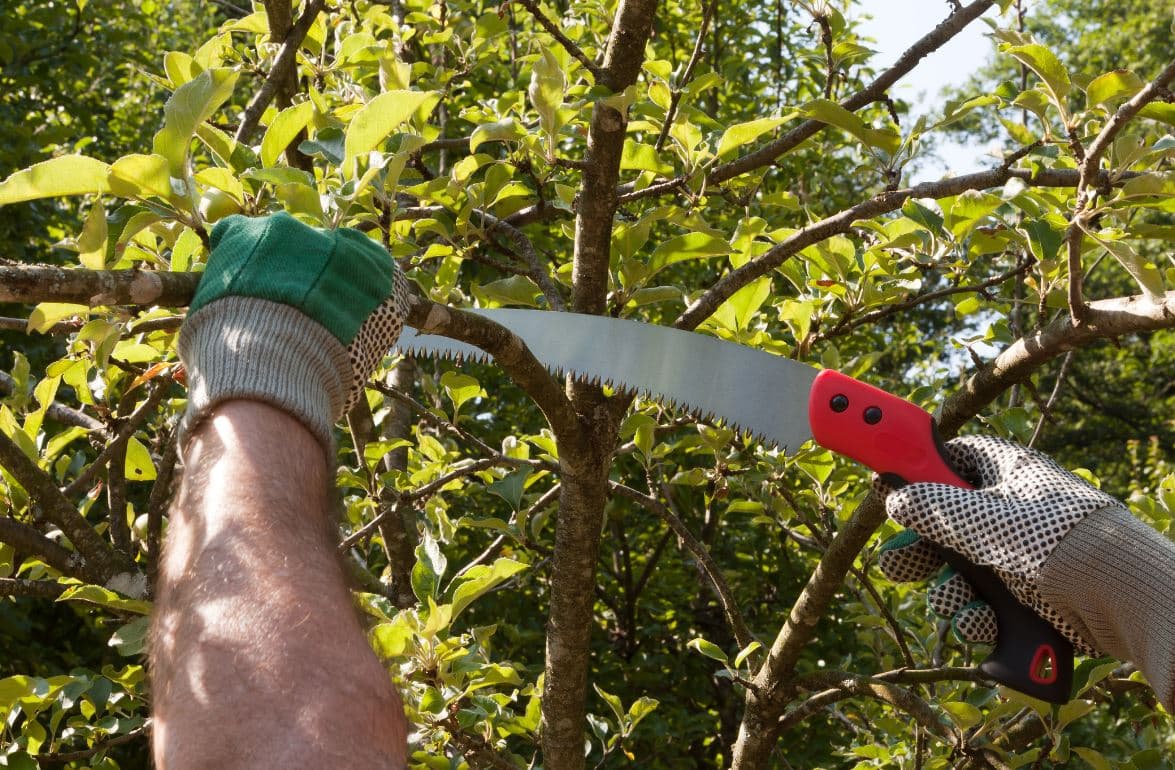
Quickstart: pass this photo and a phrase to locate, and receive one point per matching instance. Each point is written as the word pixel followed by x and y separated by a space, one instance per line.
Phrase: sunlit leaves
pixel 546 94
pixel 190 105
pixel 833 114
pixel 65 175
pixel 376 120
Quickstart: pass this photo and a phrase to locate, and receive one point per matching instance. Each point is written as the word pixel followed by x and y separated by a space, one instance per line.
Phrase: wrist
pixel 257 350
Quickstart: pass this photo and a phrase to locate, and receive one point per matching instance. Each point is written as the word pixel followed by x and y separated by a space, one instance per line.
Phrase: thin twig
pixel 125 431
pixel 36 589
pixel 1046 408
pixel 688 75
pixel 62 757
pixel 738 625
pixel 569 45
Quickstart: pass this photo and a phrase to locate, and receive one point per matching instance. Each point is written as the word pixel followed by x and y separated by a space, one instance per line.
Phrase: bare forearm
pixel 258 658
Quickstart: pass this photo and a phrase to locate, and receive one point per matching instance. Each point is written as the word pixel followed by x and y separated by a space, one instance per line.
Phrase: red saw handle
pixel 900 441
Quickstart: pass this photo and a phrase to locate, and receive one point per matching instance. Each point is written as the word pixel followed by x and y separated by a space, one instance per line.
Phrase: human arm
pixel 258 658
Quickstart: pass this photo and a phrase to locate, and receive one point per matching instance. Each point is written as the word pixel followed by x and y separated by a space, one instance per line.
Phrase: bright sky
pixel 895 25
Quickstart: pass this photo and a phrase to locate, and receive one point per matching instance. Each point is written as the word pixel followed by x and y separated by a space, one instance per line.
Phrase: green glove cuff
pixel 337 277
pixel 254 349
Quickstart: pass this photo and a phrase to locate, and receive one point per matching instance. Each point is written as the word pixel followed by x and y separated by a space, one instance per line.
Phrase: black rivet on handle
pixel 839 402
pixel 873 415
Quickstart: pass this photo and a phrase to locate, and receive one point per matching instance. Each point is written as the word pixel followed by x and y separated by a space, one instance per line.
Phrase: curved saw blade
pixel 752 391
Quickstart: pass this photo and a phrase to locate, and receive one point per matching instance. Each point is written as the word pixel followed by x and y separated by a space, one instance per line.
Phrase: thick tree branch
pixel 766 155
pixel 42 283
pixel 843 221
pixel 36 589
pixel 29 542
pixel 1104 319
pixel 282 69
pixel 99 560
pixel 583 490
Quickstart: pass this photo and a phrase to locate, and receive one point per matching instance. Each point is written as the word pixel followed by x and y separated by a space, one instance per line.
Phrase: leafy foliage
pixel 456 132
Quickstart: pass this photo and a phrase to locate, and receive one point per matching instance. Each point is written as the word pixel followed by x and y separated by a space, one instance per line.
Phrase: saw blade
pixel 751 391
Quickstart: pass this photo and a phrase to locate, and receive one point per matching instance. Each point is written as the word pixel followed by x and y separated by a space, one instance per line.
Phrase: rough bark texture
pixel 584 487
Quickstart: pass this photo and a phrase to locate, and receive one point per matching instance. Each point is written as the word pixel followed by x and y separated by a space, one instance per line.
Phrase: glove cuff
pixel 254 349
pixel 1111 577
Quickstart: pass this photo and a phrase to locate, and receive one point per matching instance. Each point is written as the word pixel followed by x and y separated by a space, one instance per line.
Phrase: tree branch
pixel 734 617
pixel 29 542
pixel 688 75
pixel 842 222
pixel 1087 191
pixel 283 68
pixel 36 589
pixel 1104 319
pixel 766 155
pixel 569 45
pixel 99 560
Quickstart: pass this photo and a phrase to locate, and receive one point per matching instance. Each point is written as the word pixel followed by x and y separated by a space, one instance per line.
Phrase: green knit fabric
pixel 337 277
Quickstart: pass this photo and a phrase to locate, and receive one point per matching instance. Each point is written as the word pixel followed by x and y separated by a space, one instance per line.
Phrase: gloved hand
pixel 290 315
pixel 1069 551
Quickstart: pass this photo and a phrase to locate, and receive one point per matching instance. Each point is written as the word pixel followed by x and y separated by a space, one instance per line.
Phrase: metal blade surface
pixel 752 391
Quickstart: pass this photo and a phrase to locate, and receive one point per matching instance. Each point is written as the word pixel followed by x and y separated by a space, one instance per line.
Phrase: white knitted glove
pixel 1072 553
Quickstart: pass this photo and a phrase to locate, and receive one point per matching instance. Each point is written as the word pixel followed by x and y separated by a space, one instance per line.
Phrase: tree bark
pixel 584 477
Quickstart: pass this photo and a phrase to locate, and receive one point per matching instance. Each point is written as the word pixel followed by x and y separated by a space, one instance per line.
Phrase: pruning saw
pixel 783 403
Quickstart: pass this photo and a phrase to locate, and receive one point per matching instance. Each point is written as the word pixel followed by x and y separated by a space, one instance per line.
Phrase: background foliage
pixel 475 142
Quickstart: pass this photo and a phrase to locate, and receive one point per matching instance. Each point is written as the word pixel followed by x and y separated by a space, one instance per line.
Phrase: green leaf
pixel 507 130
pixel 511 487
pixel 1046 65
pixel 283 130
pixel 460 388
pixel 46 314
pixel 140 176
pixel 744 133
pixel 139 465
pixel 104 597
pixel 391 640
pixel 686 247
pixel 131 639
pixel 707 648
pixel 830 112
pixel 377 119
pixel 1141 269
pixel 191 104
pixel 613 702
pixel 1161 111
pixel 1094 758
pixel 746 652
pixel 964 714
pixel 643 157
pixel 66 175
pixel 513 290
pixel 430 566
pixel 546 93
pixel 481 579
pixel 1114 86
